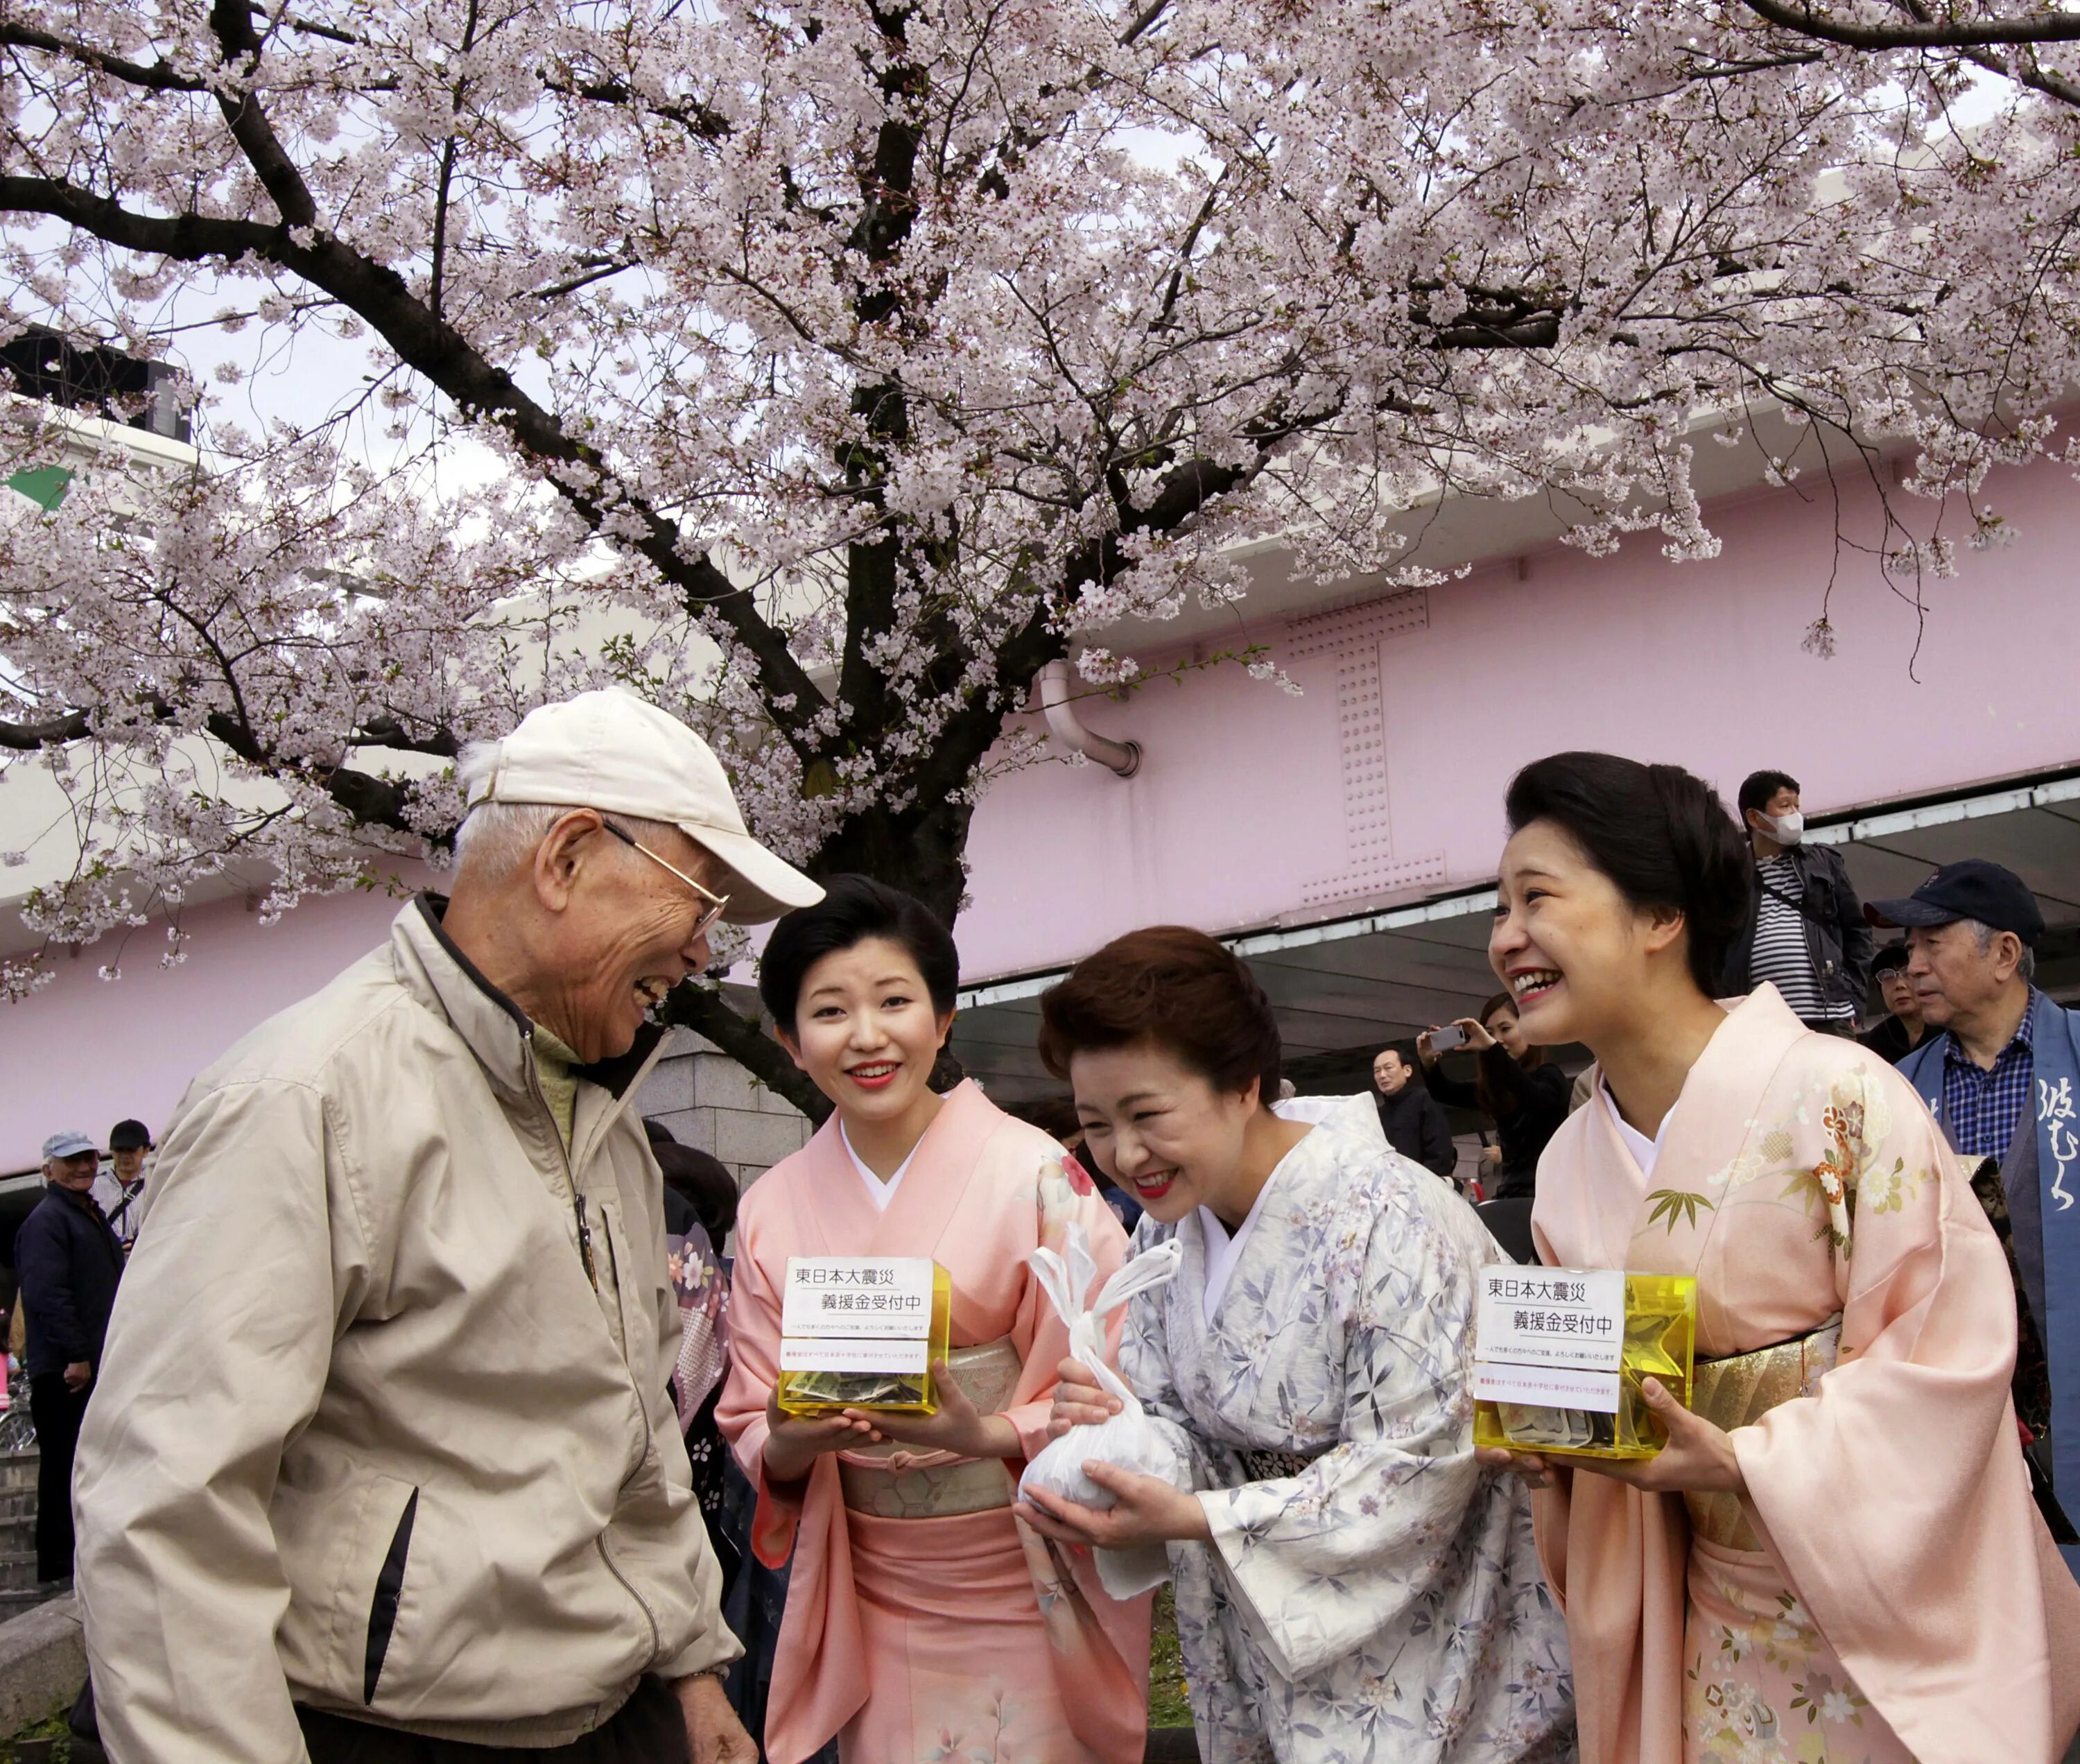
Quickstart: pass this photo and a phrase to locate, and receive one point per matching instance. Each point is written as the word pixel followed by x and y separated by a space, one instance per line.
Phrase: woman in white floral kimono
pixel 1351 1584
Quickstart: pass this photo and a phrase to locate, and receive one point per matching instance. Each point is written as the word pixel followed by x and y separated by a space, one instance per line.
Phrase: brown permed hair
pixel 1175 987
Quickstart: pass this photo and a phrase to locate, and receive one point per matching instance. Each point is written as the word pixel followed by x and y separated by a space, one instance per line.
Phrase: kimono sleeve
pixel 1895 1496
pixel 1324 1561
pixel 1144 1362
pixel 1066 1196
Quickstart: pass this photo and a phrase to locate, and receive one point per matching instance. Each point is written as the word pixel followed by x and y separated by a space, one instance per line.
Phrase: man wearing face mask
pixel 1806 933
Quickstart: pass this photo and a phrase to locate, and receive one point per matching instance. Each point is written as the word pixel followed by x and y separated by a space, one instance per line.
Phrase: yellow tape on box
pixel 1559 1353
pixel 863 1331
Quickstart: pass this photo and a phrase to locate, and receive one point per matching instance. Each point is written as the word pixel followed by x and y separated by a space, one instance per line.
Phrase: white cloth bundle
pixel 1127 1439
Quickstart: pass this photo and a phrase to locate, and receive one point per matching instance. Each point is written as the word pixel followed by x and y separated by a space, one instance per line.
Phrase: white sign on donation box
pixel 1551 1338
pixel 857 1314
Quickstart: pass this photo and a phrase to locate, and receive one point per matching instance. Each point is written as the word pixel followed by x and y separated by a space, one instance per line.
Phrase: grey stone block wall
pixel 43 1664
pixel 710 1102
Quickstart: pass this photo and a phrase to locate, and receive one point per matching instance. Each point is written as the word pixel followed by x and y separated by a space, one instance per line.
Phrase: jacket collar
pixel 83 1201
pixel 498 1031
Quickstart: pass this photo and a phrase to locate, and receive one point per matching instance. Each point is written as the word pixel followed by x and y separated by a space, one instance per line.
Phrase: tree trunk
pixel 708 1012
pixel 918 851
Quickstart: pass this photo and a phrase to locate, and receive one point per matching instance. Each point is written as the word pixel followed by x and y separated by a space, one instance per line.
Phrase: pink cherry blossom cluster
pixel 825 370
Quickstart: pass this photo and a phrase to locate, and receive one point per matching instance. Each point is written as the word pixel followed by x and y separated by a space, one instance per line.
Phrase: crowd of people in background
pixel 436 1417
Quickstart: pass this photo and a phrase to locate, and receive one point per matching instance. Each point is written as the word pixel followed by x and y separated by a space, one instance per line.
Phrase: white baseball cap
pixel 613 751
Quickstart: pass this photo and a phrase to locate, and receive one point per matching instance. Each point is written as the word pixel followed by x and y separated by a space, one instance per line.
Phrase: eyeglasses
pixel 717 903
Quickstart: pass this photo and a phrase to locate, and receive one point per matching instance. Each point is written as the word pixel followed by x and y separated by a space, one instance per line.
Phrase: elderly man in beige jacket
pixel 382 1465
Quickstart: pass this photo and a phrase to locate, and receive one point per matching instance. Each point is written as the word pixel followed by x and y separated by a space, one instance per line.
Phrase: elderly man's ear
pixel 569 842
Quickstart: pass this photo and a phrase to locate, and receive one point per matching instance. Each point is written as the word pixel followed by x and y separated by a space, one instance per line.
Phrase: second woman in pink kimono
pixel 923 1623
pixel 1837 1559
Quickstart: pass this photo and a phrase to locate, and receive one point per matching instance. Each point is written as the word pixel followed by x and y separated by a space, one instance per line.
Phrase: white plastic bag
pixel 1129 1439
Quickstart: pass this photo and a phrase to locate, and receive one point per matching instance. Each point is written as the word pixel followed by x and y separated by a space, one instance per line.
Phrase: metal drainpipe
pixel 1122 758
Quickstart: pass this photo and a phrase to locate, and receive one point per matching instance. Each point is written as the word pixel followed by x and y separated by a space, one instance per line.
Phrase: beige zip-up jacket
pixel 362 1438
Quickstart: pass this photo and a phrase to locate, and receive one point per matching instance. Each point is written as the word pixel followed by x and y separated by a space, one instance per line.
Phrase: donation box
pixel 1559 1354
pixel 862 1332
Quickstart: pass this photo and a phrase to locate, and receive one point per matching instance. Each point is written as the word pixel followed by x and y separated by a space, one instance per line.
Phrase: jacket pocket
pixel 383 1605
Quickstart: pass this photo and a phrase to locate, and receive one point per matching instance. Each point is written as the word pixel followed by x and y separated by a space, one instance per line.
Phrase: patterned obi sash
pixel 986 1375
pixel 1274 1464
pixel 1743 1388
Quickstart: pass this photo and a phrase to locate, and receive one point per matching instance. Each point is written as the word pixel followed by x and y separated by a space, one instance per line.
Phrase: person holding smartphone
pixel 1514 1084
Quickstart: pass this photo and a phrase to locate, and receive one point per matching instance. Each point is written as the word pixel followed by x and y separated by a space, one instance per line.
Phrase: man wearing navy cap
pixel 2003 1079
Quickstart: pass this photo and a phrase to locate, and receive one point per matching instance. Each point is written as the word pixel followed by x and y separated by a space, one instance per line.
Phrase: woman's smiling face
pixel 1160 1128
pixel 864 1030
pixel 1567 945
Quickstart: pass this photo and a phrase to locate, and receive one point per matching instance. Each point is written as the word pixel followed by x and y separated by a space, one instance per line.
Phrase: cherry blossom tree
pixel 824 370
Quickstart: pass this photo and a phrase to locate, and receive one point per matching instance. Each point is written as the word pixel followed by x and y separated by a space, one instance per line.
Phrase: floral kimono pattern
pixel 702 1290
pixel 921 1639
pixel 1895 1610
pixel 1370 1593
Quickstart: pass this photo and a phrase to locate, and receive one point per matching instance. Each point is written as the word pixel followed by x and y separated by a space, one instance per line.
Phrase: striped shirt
pixel 1782 954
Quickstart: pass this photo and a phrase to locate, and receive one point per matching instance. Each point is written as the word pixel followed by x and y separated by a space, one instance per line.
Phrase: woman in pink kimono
pixel 1836 1560
pixel 924 1622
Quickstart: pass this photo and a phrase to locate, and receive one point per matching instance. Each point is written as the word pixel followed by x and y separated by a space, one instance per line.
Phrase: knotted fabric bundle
pixel 1129 1439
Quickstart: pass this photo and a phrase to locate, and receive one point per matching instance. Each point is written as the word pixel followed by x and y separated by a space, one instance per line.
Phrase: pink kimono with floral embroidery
pixel 915 1641
pixel 1897 1609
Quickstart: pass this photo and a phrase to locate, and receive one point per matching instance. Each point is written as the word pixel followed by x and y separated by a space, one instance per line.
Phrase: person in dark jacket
pixel 1904 1028
pixel 1806 933
pixel 1514 1084
pixel 1414 1125
pixel 67 1261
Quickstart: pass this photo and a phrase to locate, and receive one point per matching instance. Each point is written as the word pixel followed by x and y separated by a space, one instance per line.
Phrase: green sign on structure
pixel 42 484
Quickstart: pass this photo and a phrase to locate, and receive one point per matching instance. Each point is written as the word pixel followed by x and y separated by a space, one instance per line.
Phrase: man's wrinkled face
pixel 76 1173
pixel 1954 975
pixel 627 937
pixel 1389 1073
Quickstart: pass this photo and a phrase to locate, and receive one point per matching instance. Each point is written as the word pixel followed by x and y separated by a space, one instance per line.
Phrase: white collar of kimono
pixel 1224 1253
pixel 880 1192
pixel 1646 1152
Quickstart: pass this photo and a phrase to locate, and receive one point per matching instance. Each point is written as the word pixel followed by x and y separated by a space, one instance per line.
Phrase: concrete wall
pixel 86 1052
pixel 710 1102
pixel 1385 780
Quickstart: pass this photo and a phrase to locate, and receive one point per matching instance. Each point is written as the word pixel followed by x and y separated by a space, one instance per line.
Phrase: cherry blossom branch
pixel 52 731
pixel 1924 34
pixel 370 800
pixel 378 294
pixel 156 76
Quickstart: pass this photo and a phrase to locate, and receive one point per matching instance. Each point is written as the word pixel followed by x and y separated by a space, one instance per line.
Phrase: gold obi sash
pixel 1741 1388
pixel 987 1376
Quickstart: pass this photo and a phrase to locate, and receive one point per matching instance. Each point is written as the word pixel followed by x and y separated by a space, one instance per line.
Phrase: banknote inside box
pixel 1559 1355
pixel 862 1332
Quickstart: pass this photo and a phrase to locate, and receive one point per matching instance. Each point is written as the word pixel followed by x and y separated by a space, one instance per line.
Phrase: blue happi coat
pixel 2055 1047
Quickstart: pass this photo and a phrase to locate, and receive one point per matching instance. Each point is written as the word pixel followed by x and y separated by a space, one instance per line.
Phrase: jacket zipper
pixel 570 1171
pixel 642 1409
pixel 628 1586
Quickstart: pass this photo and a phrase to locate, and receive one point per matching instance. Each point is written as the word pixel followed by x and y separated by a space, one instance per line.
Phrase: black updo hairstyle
pixel 854 909
pixel 1660 833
